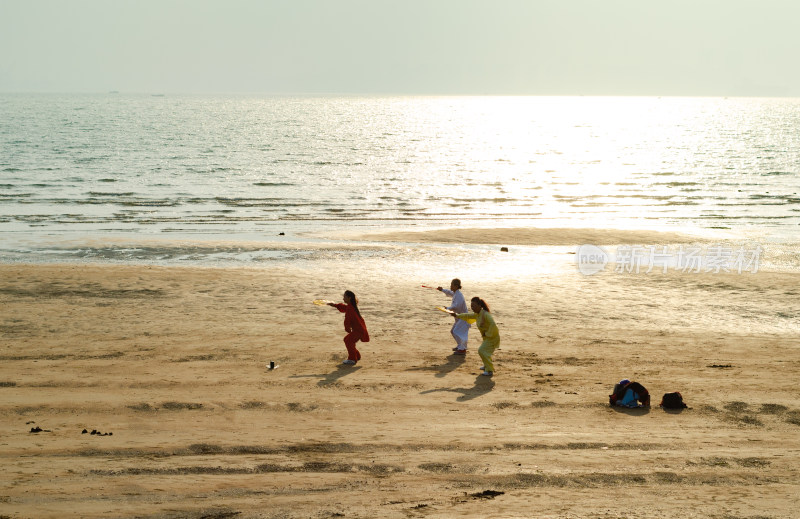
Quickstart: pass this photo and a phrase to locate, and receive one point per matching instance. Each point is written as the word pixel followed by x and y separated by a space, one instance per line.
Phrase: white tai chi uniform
pixel 460 329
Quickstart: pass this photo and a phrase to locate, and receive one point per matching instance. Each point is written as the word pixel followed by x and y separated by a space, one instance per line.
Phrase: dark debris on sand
pixel 487 494
pixel 95 432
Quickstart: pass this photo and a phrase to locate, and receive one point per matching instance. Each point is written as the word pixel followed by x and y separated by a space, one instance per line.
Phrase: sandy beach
pixel 169 365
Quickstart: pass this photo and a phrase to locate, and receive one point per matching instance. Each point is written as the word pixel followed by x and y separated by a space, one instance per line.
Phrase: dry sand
pixel 172 361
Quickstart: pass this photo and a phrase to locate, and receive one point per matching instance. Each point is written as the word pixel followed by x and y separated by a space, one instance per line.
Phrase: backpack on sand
pixel 618 392
pixel 621 389
pixel 672 401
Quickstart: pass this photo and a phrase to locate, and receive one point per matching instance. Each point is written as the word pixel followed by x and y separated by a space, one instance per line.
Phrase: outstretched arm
pixel 339 306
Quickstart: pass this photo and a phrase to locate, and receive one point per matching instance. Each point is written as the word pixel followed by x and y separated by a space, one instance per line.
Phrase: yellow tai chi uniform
pixel 489 332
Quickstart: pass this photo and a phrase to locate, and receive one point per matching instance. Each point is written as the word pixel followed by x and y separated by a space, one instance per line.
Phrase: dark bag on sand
pixel 624 385
pixel 672 401
pixel 618 392
pixel 644 395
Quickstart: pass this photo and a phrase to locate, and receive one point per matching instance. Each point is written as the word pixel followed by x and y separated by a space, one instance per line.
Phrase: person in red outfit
pixel 353 324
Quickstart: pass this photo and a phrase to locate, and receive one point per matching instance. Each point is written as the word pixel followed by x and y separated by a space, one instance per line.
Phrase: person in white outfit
pixel 460 329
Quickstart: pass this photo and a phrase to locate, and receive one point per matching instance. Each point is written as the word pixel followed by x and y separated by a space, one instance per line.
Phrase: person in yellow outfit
pixel 489 332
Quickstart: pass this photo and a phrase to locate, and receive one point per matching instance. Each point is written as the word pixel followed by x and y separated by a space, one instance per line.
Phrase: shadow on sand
pixel 482 386
pixel 674 411
pixel 331 378
pixel 632 411
pixel 452 363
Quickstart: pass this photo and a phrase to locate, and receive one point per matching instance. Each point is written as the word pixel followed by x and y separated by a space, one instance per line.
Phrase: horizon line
pixel 376 94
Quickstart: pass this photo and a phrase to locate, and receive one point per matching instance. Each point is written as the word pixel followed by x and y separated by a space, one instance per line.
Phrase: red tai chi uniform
pixel 356 330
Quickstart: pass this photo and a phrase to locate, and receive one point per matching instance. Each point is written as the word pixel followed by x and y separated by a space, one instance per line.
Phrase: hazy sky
pixel 539 47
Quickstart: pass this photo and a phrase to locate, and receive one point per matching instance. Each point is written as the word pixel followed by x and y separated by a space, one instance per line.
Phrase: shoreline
pixel 531 250
pixel 531 236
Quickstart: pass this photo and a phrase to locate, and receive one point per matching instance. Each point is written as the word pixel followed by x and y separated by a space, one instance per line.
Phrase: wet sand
pixel 539 236
pixel 173 362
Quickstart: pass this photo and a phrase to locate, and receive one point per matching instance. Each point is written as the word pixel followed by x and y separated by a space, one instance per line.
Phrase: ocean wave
pixel 681 203
pixel 207 171
pixel 785 198
pixel 487 200
pixel 267 202
pixel 141 203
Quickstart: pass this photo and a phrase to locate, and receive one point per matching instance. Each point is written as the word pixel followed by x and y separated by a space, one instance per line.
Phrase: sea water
pixel 79 170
